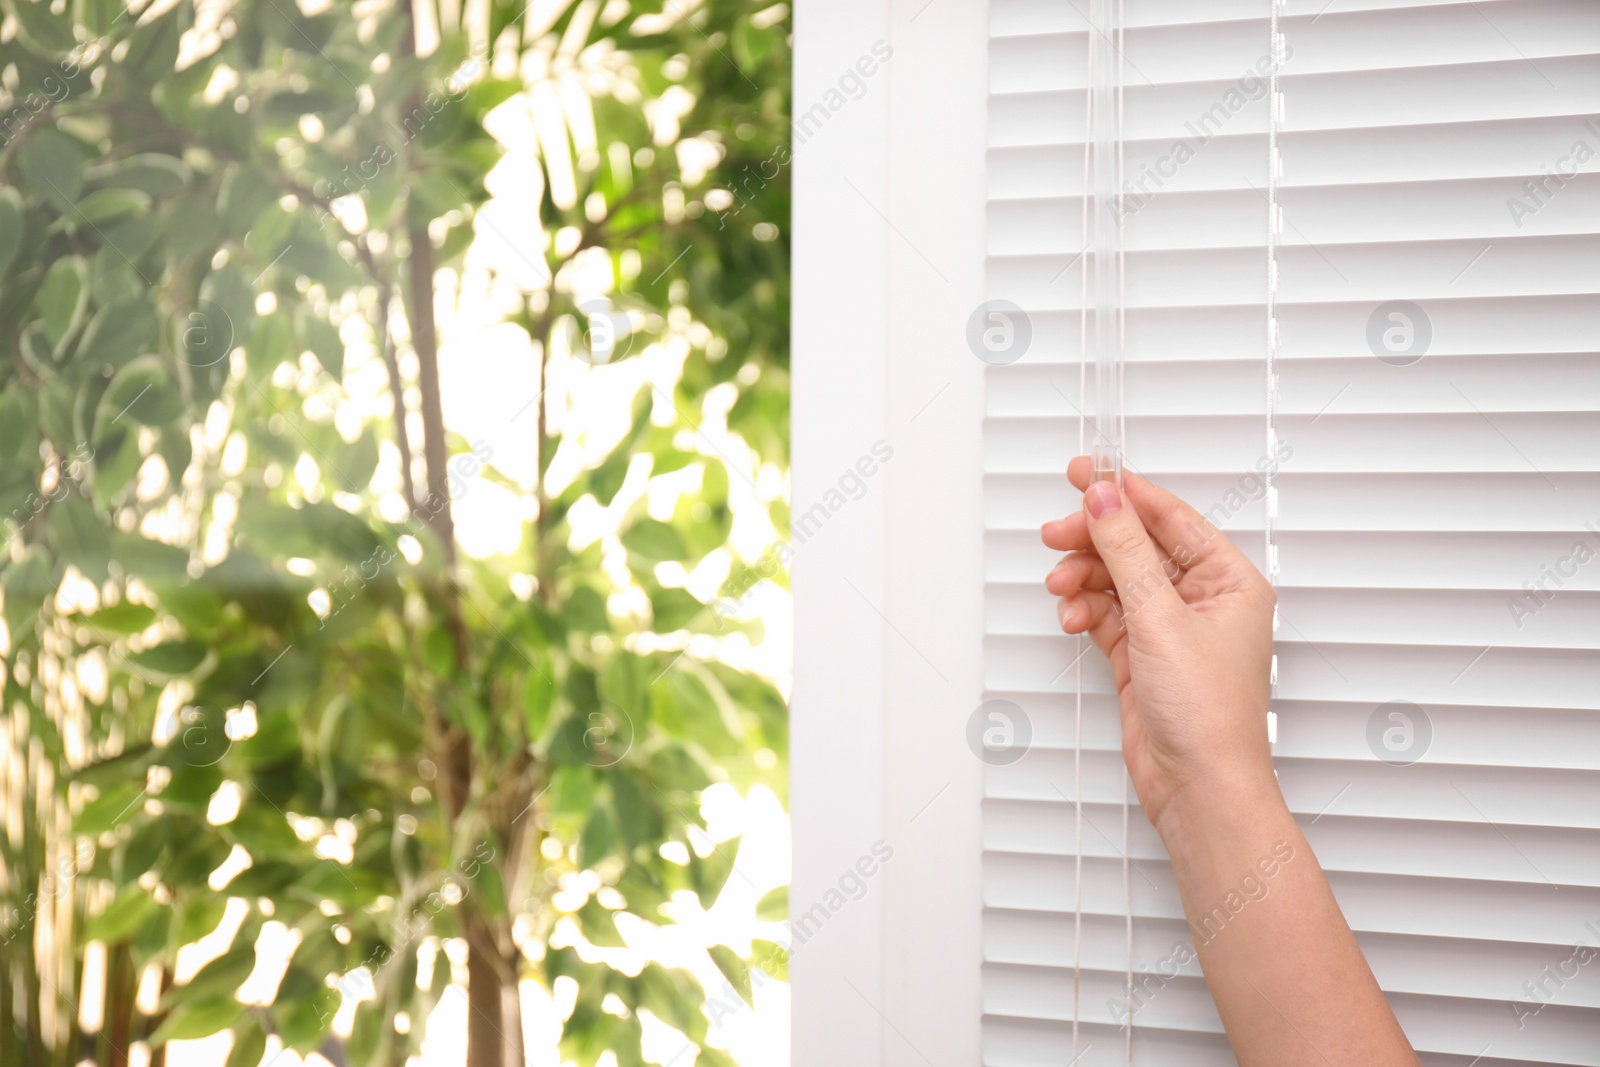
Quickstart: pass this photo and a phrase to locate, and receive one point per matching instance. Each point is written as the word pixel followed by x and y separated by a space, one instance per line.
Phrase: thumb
pixel 1136 566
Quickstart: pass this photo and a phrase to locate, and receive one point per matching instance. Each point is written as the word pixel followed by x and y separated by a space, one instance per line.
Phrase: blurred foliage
pixel 207 592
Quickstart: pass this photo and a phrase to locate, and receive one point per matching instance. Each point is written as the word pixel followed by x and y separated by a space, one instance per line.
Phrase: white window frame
pixel 888 267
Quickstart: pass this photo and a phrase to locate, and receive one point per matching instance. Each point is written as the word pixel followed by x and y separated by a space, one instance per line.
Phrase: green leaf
pixel 200 914
pixel 266 879
pixel 771 957
pixel 11 227
pixel 115 805
pixel 572 790
pixel 714 1057
pixel 106 205
pixel 63 298
pixel 117 770
pixel 654 540
pixel 152 51
pixel 153 561
pixel 191 756
pixel 673 609
pixel 341 534
pixel 126 238
pixel 145 848
pixel 599 925
pixel 758 703
pixel 637 819
pixel 368 1033
pixel 606 479
pixel 674 996
pixel 49 34
pixel 322 338
pixel 151 173
pixel 131 907
pixel 115 463
pixel 198 1018
pixel 358 460
pixel 176 451
pixel 195 856
pixel 18 424
pixel 684 708
pixel 142 392
pixel 276 738
pixel 538 697
pixel 227 310
pixel 249 1044
pixel 710 873
pixel 122 618
pixel 246 189
pixel 149 938
pixel 774 906
pixel 586 611
pixel 599 836
pixel 734 970
pixel 118 332
pixel 221 976
pixel 307 1017
pixel 39 355
pixel 751 45
pixel 171 657
pixel 622 681
pixel 675 769
pixel 271 343
pixel 80 537
pixel 52 166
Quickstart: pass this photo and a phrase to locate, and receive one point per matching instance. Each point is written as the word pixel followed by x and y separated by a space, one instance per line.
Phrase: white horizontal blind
pixel 1436 459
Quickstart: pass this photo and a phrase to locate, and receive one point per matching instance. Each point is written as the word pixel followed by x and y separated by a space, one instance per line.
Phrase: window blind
pixel 1436 519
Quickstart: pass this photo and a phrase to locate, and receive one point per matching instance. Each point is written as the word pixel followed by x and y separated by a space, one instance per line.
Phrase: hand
pixel 1186 623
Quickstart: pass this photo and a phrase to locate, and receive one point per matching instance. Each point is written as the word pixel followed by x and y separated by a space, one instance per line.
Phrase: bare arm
pixel 1186 623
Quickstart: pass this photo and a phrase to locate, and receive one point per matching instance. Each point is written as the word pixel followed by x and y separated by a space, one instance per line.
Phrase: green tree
pixel 205 214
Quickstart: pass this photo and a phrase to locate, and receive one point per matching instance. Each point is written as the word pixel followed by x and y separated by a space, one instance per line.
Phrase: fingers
pixel 1080 570
pixel 1070 534
pixel 1188 537
pixel 1181 531
pixel 1136 565
pixel 1099 615
pixel 1086 611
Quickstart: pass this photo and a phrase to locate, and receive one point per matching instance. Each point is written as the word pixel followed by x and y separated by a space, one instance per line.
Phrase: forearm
pixel 1287 975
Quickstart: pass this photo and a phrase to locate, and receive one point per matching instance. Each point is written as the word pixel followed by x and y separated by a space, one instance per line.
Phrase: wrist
pixel 1223 803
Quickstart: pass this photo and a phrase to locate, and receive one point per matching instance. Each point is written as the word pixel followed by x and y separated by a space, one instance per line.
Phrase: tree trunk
pixel 122 987
pixel 493 1033
pixel 494 1021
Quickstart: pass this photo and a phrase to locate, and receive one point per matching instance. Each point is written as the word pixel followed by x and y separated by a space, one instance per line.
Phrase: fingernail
pixel 1102 499
pixel 1067 611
